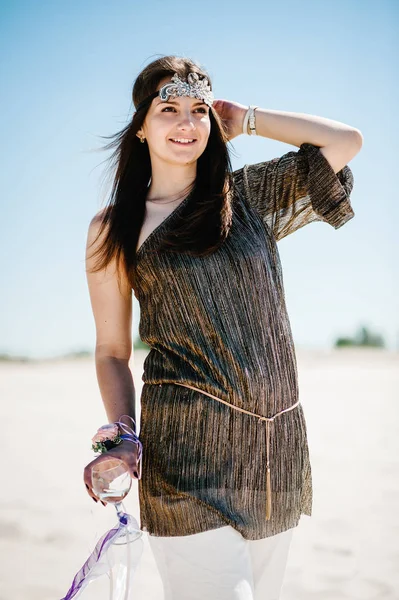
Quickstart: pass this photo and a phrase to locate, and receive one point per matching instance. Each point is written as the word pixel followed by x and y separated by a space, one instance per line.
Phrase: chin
pixel 184 160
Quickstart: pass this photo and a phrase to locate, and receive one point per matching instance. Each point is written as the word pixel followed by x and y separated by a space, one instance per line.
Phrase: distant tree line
pixel 140 345
pixel 363 337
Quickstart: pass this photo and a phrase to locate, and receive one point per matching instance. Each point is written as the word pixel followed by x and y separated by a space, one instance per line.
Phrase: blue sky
pixel 67 71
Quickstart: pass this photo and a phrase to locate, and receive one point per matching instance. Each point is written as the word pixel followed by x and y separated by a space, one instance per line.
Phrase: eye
pixel 200 108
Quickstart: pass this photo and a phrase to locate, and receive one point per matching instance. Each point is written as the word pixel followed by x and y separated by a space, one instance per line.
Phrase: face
pixel 180 118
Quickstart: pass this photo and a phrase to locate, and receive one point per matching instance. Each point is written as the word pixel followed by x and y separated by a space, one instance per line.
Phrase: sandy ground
pixel 348 549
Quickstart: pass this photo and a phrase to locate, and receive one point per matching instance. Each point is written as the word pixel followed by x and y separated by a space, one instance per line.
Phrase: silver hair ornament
pixel 194 88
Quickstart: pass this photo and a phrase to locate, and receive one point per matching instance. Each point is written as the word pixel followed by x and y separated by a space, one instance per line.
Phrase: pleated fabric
pixel 220 324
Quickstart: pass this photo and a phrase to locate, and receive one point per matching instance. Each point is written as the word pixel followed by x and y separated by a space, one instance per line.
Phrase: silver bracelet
pixel 250 117
pixel 252 120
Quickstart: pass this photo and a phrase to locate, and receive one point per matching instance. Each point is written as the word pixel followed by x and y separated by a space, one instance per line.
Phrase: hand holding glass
pixel 111 481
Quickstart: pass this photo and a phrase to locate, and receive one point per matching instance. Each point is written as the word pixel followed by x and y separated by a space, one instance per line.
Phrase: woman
pixel 225 468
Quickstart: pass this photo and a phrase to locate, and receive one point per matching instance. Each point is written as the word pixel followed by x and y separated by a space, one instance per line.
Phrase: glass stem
pixel 119 507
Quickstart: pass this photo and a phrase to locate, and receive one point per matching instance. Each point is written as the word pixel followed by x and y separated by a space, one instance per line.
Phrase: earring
pixel 142 140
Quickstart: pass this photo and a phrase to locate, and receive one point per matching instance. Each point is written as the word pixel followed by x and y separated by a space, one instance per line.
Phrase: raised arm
pixel 312 184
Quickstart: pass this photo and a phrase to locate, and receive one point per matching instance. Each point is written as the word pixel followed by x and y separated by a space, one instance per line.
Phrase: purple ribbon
pixel 85 574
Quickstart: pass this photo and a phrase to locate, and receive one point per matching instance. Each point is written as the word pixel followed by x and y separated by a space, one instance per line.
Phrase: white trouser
pixel 220 564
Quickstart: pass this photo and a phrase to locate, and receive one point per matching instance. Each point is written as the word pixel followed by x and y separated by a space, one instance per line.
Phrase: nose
pixel 186 122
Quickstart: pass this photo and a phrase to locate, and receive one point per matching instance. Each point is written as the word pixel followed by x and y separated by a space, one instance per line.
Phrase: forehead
pixel 178 100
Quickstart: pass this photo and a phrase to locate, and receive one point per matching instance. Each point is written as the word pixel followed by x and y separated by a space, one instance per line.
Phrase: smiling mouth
pixel 182 143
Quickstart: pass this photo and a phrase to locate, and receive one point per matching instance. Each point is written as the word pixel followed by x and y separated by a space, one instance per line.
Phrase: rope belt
pixel 268 421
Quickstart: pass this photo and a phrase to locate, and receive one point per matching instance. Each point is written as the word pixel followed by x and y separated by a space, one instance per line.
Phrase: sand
pixel 348 549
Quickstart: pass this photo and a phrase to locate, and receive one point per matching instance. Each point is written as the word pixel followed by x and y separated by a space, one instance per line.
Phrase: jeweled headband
pixel 194 87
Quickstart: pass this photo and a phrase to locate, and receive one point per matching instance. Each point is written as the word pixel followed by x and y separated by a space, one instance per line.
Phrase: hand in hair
pixel 232 114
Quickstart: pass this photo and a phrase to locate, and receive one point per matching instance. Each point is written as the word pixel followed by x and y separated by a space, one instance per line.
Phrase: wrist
pixel 112 434
pixel 123 433
pixel 129 442
pixel 244 111
pixel 124 427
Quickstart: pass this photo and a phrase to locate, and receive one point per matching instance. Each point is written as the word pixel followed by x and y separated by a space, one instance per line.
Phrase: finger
pixel 133 468
pixel 89 488
pixel 91 493
pixel 87 482
pixel 136 469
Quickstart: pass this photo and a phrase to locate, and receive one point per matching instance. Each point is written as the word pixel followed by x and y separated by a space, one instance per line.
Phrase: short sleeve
pixel 297 188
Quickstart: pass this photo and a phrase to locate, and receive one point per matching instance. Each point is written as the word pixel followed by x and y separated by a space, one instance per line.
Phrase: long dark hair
pixel 203 224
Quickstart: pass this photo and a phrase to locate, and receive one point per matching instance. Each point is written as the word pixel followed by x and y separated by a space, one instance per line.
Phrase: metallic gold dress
pixel 219 324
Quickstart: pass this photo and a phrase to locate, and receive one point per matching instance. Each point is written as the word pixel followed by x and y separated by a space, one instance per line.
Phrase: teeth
pixel 182 141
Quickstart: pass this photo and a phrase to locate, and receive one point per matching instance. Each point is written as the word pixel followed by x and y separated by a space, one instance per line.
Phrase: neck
pixel 170 181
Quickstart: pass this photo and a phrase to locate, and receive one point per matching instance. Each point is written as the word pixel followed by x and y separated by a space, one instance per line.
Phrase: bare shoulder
pixel 99 216
pixel 96 223
pixel 95 248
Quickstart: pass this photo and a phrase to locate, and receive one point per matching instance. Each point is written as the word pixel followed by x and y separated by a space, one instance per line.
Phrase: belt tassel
pixel 268 495
pixel 267 420
pixel 268 476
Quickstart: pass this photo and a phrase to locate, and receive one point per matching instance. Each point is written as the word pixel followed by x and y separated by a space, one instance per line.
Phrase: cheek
pixel 158 133
pixel 205 127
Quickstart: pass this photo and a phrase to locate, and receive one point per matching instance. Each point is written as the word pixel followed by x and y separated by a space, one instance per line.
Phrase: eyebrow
pixel 174 102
